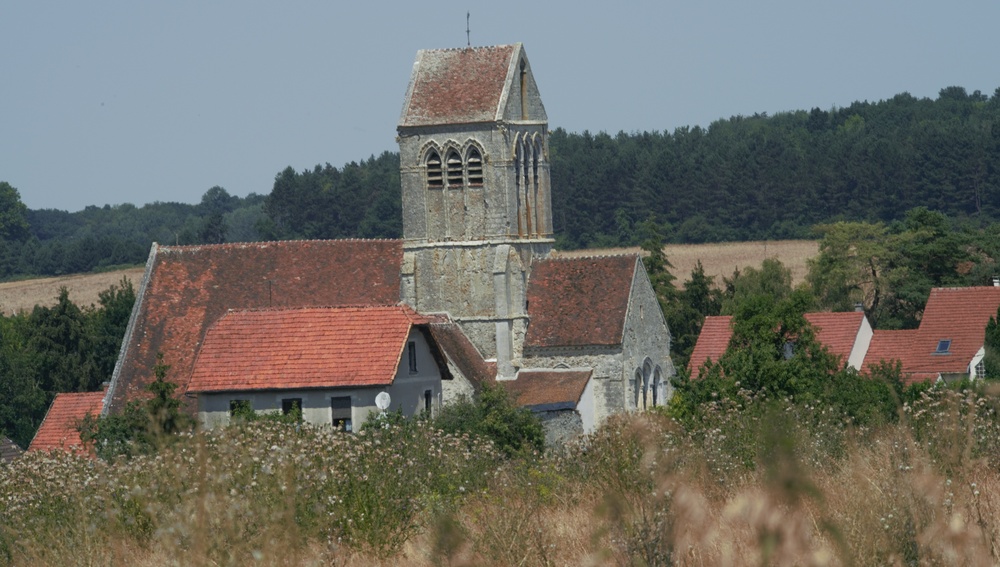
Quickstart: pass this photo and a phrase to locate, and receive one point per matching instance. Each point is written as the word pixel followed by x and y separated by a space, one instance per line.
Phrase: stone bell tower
pixel 477 211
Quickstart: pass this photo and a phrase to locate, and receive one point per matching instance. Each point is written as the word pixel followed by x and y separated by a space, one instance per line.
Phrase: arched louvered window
pixel 434 173
pixel 454 166
pixel 475 165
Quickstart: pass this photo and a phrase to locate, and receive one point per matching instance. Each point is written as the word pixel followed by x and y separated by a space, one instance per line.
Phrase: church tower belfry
pixel 477 208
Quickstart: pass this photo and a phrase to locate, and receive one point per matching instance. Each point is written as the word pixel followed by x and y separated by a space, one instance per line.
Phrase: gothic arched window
pixel 434 174
pixel 474 163
pixel 657 386
pixel 454 167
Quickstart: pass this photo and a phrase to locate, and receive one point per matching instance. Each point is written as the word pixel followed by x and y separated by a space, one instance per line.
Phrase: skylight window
pixel 943 346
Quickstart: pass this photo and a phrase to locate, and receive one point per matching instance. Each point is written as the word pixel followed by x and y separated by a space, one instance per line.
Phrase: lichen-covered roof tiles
pixel 187 288
pixel 548 389
pixel 457 86
pixel 575 302
pixel 9 451
pixel 457 347
pixel 59 428
pixel 285 349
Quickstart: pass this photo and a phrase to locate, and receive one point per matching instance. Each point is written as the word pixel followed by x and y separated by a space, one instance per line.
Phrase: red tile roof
pixel 283 349
pixel 712 342
pixel 187 288
pixel 457 86
pixel 958 315
pixel 59 428
pixel 579 301
pixel 836 331
pixel 534 388
pixel 889 346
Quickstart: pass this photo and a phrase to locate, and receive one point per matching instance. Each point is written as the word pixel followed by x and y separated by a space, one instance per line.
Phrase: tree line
pixel 62 348
pixel 742 178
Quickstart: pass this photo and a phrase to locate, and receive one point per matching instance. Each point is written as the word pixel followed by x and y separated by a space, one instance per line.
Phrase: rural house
pixel 330 363
pixel 845 335
pixel 479 292
pixel 949 343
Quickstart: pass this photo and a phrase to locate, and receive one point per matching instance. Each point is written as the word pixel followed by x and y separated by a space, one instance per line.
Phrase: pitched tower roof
pixel 468 86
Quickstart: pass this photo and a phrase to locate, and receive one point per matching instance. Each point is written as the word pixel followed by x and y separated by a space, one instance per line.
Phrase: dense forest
pixel 748 177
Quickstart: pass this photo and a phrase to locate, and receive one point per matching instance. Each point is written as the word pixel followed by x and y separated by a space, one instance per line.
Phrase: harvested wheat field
pixel 721 259
pixel 19 296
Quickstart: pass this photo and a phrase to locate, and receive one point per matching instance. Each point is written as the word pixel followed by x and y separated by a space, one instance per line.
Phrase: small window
pixel 454 169
pixel 981 370
pixel 943 346
pixel 341 411
pixel 475 163
pixel 434 173
pixel 789 350
pixel 428 400
pixel 411 350
pixel 240 408
pixel 291 406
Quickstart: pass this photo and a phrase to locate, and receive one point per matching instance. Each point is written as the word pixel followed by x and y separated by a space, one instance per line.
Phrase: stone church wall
pixel 646 338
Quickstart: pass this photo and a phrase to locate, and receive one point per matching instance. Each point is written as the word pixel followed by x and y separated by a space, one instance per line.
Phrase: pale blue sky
pixel 111 102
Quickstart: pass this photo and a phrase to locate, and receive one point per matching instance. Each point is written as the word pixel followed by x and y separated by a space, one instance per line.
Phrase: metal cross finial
pixel 468 41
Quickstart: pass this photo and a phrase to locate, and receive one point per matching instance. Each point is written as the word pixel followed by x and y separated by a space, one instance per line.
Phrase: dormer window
pixel 435 177
pixel 943 347
pixel 475 165
pixel 454 169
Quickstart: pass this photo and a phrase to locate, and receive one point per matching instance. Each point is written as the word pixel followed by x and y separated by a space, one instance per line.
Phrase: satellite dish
pixel 382 401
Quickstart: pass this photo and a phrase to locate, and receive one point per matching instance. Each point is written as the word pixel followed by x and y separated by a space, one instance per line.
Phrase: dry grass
pixel 21 296
pixel 721 259
pixel 642 493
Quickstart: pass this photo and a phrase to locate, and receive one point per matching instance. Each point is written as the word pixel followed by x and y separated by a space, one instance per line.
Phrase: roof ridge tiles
pixel 592 256
pixel 224 245
pixel 473 47
pixel 318 307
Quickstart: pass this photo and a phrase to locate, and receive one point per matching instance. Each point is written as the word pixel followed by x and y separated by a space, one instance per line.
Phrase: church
pixel 472 294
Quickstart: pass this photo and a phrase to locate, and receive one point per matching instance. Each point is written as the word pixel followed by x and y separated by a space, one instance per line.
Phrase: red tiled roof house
pixel 846 335
pixel 949 343
pixel 330 363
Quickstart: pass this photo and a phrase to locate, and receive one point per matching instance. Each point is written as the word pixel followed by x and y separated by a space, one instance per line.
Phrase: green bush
pixel 492 414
